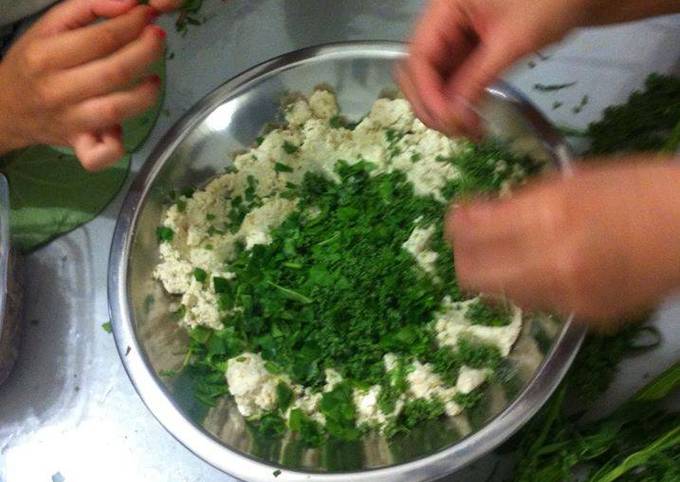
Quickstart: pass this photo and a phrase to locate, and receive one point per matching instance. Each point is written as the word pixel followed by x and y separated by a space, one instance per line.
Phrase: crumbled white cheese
pixel 200 303
pixel 258 223
pixel 471 378
pixel 366 403
pixel 425 384
pixel 308 402
pixel 323 104
pixel 417 244
pixel 173 271
pixel 332 379
pixel 451 324
pixel 391 361
pixel 253 387
pixel 298 112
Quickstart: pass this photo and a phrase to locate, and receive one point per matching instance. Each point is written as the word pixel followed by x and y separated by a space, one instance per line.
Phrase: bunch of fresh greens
pixel 640 441
pixel 648 121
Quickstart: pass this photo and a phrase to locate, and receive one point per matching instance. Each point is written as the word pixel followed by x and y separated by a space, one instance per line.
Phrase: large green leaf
pixel 51 194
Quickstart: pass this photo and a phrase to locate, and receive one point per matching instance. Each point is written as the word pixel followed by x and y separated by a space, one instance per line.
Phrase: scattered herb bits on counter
pixel 315 283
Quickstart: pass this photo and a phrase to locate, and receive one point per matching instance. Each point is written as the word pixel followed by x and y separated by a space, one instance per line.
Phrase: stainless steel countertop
pixel 69 413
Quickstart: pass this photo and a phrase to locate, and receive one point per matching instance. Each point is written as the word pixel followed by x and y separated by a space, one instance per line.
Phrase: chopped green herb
pixel 553 87
pixel 290 148
pixel 200 275
pixel 483 313
pixel 578 108
pixel 281 167
pixel 336 122
pixel 557 104
pixel 107 327
pixel 284 396
pixel 164 234
pixel 221 285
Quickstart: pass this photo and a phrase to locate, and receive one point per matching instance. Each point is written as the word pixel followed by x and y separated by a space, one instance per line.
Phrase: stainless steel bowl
pixel 199 146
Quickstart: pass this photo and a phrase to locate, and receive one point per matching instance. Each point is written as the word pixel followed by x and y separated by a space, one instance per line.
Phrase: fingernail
pixel 155 79
pixel 158 32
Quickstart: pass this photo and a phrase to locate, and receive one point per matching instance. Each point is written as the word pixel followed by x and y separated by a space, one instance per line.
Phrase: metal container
pixel 200 146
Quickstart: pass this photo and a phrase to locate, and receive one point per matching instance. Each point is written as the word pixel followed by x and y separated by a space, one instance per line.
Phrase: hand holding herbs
pixel 461 46
pixel 602 244
pixel 69 80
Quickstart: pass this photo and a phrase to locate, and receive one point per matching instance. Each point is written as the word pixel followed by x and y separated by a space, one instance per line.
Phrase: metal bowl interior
pixel 200 146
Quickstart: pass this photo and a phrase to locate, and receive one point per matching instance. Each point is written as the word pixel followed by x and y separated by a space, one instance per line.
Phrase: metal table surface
pixel 69 412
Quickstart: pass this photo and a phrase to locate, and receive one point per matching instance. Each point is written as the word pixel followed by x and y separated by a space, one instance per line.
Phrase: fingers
pixel 86 44
pixel 99 151
pixel 166 5
pixel 481 68
pixel 115 71
pixel 436 44
pixel 102 112
pixel 73 14
pixel 411 92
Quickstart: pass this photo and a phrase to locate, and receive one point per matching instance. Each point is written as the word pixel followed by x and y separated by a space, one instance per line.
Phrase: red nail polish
pixel 159 32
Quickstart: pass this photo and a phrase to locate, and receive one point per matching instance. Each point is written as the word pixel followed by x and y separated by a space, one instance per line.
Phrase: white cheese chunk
pixel 253 387
pixel 418 245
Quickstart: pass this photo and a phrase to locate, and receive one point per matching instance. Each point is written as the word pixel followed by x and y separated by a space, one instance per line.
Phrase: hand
pixel 461 46
pixel 70 80
pixel 602 244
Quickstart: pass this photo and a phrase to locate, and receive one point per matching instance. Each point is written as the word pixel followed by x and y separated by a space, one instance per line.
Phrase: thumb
pixel 73 14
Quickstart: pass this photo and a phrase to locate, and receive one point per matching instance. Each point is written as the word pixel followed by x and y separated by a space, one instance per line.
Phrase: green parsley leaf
pixel 290 148
pixel 200 275
pixel 164 234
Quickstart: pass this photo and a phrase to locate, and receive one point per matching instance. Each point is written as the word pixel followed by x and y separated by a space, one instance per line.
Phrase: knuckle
pixel 35 59
pixel 48 95
pixel 109 36
pixel 111 113
pixel 119 73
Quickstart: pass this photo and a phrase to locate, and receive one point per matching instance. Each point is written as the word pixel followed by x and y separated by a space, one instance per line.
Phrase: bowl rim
pixel 160 402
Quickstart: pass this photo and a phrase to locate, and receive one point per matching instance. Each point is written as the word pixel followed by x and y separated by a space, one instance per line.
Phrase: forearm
pixel 603 12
